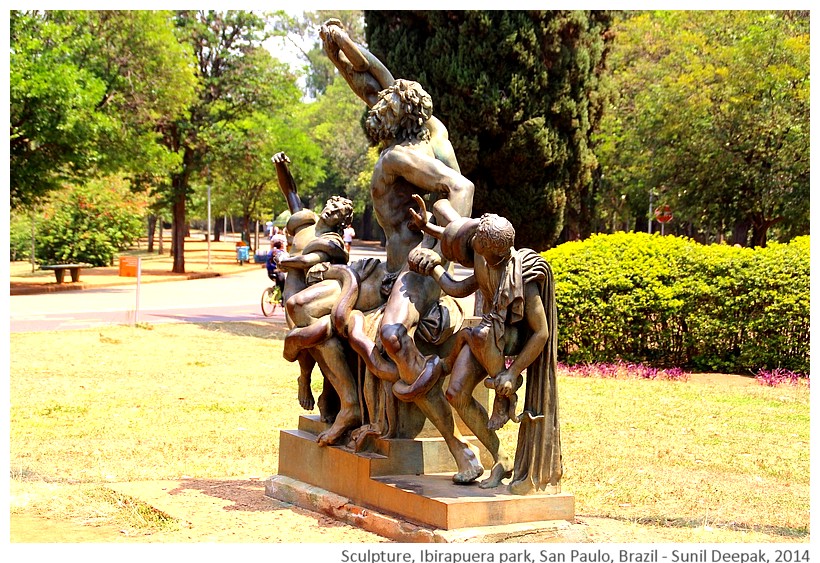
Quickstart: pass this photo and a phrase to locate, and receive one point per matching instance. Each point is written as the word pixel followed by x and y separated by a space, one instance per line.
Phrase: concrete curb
pixel 79 286
pixel 341 508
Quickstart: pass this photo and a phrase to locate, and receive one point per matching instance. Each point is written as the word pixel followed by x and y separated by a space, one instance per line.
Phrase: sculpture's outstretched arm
pixel 366 75
pixel 286 182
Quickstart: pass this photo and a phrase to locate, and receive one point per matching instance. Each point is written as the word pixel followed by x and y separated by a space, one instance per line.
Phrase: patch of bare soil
pixel 224 511
pixel 237 511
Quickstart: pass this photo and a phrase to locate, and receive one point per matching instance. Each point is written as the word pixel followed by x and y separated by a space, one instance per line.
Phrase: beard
pixel 381 124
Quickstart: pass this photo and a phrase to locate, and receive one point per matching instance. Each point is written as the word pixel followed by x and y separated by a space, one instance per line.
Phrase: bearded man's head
pixel 401 113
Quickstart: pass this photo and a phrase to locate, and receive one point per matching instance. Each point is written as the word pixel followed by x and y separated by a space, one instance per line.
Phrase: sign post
pixel 139 283
pixel 131 266
pixel 663 214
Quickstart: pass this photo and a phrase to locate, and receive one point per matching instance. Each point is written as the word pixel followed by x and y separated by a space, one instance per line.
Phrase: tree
pixel 89 92
pixel 334 122
pixel 320 71
pixel 238 77
pixel 91 223
pixel 241 169
pixel 518 92
pixel 713 113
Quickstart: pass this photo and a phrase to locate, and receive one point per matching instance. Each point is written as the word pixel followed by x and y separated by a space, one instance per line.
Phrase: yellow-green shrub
pixel 669 301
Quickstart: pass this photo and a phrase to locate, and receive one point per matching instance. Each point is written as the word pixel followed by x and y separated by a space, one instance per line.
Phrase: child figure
pixel 514 322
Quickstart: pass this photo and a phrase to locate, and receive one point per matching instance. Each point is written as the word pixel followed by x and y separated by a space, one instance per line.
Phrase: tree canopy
pixel 239 78
pixel 89 91
pixel 712 114
pixel 518 92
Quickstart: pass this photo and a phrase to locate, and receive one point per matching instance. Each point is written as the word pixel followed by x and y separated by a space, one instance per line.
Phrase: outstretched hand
pixel 418 220
pixel 280 157
pixel 423 260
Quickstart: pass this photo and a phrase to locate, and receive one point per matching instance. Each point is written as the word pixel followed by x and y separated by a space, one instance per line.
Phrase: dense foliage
pixel 90 224
pixel 89 91
pixel 669 301
pixel 712 113
pixel 518 92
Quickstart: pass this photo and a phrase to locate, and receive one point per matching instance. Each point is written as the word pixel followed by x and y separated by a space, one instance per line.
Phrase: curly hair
pixel 496 232
pixel 409 124
pixel 345 205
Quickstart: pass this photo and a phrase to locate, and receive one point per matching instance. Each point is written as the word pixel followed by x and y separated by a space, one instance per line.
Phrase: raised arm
pixel 365 74
pixel 428 262
pixel 432 176
pixel 286 182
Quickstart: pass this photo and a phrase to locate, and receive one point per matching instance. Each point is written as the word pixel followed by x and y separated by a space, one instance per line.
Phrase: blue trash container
pixel 242 254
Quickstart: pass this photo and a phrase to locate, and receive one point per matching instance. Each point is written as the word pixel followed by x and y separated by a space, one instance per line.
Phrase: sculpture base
pixel 410 479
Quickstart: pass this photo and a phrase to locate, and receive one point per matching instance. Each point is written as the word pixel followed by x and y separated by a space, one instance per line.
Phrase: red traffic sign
pixel 663 214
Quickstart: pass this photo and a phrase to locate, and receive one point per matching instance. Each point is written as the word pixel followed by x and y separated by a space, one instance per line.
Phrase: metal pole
pixel 139 283
pixel 33 246
pixel 209 222
pixel 651 201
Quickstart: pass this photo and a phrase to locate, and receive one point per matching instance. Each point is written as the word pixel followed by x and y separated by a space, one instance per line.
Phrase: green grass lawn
pixel 163 402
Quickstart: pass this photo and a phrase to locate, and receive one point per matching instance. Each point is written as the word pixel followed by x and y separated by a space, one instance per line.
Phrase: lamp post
pixel 651 213
pixel 208 173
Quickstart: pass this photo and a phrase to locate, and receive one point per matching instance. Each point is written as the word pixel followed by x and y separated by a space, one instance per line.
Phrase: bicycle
pixel 271 299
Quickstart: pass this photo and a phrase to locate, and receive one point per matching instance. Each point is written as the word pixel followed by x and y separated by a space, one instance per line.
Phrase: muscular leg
pixel 306 363
pixel 481 342
pixel 331 359
pixel 435 407
pixel 309 310
pixel 467 373
pixel 411 296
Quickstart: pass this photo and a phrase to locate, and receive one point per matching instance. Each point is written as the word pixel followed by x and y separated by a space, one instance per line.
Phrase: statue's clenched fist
pixel 423 260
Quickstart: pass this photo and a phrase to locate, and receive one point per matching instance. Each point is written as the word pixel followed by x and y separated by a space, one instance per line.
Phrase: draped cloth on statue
pixel 537 464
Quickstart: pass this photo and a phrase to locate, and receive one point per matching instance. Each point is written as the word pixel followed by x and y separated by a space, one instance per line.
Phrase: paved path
pixel 233 297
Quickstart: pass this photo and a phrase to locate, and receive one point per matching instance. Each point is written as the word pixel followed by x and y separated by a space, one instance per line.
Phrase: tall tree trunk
pixel 178 226
pixel 217 230
pixel 161 247
pixel 740 232
pixel 367 223
pixel 246 231
pixel 760 230
pixel 152 227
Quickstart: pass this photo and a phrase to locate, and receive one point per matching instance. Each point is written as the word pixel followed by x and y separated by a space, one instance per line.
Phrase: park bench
pixel 59 270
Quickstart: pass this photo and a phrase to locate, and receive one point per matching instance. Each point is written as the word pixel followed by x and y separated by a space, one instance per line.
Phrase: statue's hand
pixel 326 29
pixel 423 260
pixel 280 157
pixel 418 219
pixel 504 383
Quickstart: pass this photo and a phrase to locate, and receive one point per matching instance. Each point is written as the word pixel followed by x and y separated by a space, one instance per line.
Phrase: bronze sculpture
pixel 387 313
pixel 519 321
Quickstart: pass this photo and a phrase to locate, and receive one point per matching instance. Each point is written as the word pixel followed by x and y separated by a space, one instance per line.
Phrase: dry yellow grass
pixel 702 462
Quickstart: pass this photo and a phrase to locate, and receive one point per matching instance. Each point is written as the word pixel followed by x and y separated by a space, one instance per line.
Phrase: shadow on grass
pixel 266 330
pixel 246 495
pixel 682 522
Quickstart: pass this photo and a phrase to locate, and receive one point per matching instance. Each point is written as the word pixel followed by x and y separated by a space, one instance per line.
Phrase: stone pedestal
pixel 410 479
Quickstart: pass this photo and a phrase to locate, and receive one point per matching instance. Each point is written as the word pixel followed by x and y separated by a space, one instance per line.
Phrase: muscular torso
pixel 392 197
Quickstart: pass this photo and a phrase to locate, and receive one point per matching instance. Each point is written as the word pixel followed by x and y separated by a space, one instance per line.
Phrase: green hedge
pixel 669 301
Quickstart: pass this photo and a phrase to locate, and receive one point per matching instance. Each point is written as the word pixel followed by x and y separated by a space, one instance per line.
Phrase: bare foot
pixel 469 466
pixel 501 412
pixel 305 394
pixel 344 422
pixel 501 470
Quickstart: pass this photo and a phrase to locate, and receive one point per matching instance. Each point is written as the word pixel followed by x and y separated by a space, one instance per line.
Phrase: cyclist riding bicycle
pixel 277 275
